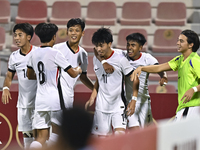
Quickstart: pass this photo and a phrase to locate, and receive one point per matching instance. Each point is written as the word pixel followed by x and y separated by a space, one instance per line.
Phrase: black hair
pixel 102 35
pixel 46 31
pixel 192 37
pixel 25 27
pixel 76 127
pixel 137 37
pixel 76 21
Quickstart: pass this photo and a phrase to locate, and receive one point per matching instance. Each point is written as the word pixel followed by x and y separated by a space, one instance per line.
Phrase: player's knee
pixel 118 132
pixel 28 134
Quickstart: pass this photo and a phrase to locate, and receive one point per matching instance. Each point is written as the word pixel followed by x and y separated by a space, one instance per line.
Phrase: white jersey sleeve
pixel 61 61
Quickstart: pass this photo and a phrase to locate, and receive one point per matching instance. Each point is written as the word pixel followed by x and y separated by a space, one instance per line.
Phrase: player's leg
pixel 133 121
pixel 101 124
pixel 56 119
pixel 119 123
pixel 42 123
pixel 25 117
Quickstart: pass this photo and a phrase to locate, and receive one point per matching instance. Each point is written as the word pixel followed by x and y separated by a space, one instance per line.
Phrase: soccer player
pixel 143 114
pixel 22 33
pixel 109 107
pixel 76 56
pixel 43 65
pixel 187 65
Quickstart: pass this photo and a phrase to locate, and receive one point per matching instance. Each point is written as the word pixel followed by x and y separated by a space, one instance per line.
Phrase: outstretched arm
pixel 131 106
pixel 74 72
pixel 150 69
pixel 7 82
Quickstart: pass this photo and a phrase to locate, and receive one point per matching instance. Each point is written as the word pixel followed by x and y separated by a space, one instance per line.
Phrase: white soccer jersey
pixel 145 59
pixel 80 58
pixel 27 88
pixel 45 62
pixel 109 97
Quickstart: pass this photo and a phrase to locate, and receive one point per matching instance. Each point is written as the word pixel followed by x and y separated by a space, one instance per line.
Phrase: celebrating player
pixel 109 108
pixel 22 33
pixel 43 65
pixel 187 65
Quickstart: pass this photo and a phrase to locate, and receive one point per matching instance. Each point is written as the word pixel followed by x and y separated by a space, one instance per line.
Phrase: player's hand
pixel 89 103
pixel 136 73
pixel 108 68
pixel 187 96
pixel 131 108
pixel 78 69
pixel 6 96
pixel 163 81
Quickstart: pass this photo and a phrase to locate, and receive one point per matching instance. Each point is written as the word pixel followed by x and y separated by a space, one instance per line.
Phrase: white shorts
pixel 103 122
pixel 56 117
pixel 25 119
pixel 42 119
pixel 142 115
pixel 191 113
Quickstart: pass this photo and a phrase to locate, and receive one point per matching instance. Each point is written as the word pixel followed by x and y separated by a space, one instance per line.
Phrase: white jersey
pixel 27 88
pixel 145 59
pixel 45 62
pixel 80 58
pixel 109 97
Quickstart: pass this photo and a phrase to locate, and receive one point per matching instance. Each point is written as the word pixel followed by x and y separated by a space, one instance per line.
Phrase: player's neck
pixel 108 54
pixel 186 54
pixel 26 48
pixel 73 46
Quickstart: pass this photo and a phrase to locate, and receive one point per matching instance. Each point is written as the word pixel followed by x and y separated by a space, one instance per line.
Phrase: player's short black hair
pixel 46 31
pixel 137 37
pixel 192 37
pixel 102 35
pixel 76 21
pixel 76 127
pixel 25 27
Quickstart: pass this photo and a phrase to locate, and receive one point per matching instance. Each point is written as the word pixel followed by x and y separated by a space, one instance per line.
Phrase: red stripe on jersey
pixel 111 54
pixel 30 49
pixel 139 57
pixel 57 75
pixel 77 50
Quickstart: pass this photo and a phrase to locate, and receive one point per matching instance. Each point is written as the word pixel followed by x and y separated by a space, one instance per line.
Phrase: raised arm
pixel 7 82
pixel 107 67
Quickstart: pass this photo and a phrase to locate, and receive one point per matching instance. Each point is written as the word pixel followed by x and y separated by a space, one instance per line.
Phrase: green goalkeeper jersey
pixel 188 77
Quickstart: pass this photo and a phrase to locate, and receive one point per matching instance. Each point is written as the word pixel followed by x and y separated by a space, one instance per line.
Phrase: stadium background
pixel 164 99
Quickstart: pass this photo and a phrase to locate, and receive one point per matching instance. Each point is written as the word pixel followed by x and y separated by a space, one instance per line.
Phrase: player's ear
pixel 28 37
pixel 191 45
pixel 83 32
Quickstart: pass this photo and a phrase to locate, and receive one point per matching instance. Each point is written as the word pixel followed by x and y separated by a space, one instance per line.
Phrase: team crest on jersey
pixel 96 128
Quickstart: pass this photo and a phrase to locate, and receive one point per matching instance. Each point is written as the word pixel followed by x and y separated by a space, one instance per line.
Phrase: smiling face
pixel 103 49
pixel 75 33
pixel 182 44
pixel 133 49
pixel 21 38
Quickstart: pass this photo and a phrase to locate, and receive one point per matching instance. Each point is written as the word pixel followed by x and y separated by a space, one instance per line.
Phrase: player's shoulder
pixel 82 50
pixel 14 53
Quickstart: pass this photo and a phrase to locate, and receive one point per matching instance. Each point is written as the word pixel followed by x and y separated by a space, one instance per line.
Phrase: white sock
pixel 52 139
pixel 27 142
pixel 36 144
